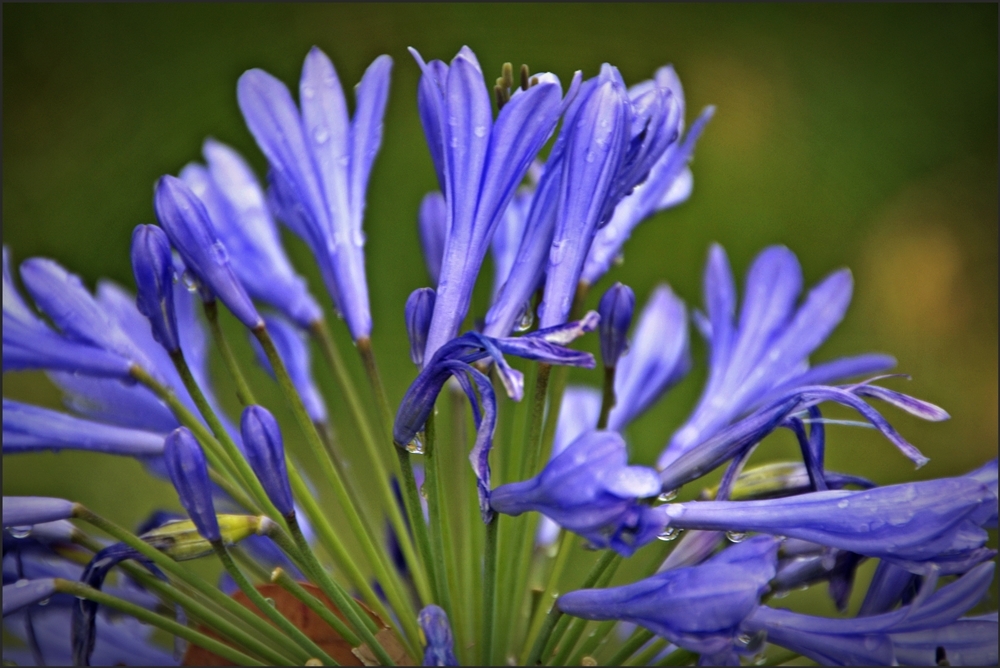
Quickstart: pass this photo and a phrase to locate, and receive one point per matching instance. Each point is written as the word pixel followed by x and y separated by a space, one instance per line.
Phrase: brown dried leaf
pixel 310 623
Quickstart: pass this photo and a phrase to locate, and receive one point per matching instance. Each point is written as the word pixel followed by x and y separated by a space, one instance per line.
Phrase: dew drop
pixel 320 135
pixel 480 131
pixel 525 320
pixel 423 491
pixel 190 281
pixel 667 496
pixel 45 601
pixel 843 504
pixel 591 156
pixel 619 260
pixel 416 446
pixel 20 532
pixel 588 661
pixel 670 533
pixel 219 253
pixel 308 92
pixel 780 594
pixel 270 601
pixel 358 237
pixel 21 583
pixel 558 252
pixel 736 536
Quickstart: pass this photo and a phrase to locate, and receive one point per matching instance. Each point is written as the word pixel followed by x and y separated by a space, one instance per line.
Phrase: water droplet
pixel 588 661
pixel 526 319
pixel 20 532
pixel 480 131
pixel 358 237
pixel 591 156
pixel 416 446
pixel 320 135
pixel 190 281
pixel 219 253
pixel 308 92
pixel 736 536
pixel 21 583
pixel 667 496
pixel 423 491
pixel 558 252
pixel 843 504
pixel 270 601
pixel 670 533
pixel 619 260
pixel 45 601
pixel 743 638
pixel 780 594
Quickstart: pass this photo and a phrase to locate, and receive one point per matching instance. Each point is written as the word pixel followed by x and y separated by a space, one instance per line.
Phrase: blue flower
pixel 432 223
pixel 616 307
pixel 455 359
pixel 669 182
pixel 767 352
pixel 933 524
pixel 240 215
pixel 439 649
pixel 590 489
pixel 871 640
pixel 185 220
pixel 23 593
pixel 153 268
pixel 699 608
pixel 189 474
pixel 28 428
pixel 320 163
pixel 27 510
pixel 418 311
pixel 658 358
pixel 479 164
pixel 508 235
pixel 265 451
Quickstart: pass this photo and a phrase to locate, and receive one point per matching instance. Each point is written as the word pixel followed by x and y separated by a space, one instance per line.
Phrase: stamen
pixel 525 84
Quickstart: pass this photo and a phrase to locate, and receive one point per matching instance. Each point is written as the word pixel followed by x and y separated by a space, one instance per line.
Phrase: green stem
pixel 169 593
pixel 468 518
pixel 415 512
pixel 592 642
pixel 378 455
pixel 387 576
pixel 81 590
pixel 243 391
pixel 608 399
pixel 269 610
pixel 603 568
pixel 285 581
pixel 182 573
pixel 683 657
pixel 548 598
pixel 634 643
pixel 645 656
pixel 577 625
pixel 489 590
pixel 436 525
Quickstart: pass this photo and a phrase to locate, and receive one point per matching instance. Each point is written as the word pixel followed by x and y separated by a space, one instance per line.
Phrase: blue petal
pixel 26 510
pixel 371 94
pixel 29 428
pixel 23 593
pixel 432 223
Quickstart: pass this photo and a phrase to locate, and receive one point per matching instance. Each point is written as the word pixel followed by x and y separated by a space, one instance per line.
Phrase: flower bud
pixel 266 452
pixel 23 593
pixel 189 474
pixel 153 268
pixel 436 632
pixel 186 222
pixel 419 309
pixel 182 541
pixel 616 309
pixel 26 510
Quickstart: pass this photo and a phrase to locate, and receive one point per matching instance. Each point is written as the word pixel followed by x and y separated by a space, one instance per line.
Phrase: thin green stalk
pixel 269 610
pixel 285 581
pixel 257 572
pixel 182 573
pixel 239 462
pixel 551 592
pixel 592 642
pixel 683 657
pixel 387 576
pixel 575 628
pixel 81 590
pixel 169 593
pixel 645 656
pixel 415 512
pixel 243 391
pixel 378 456
pixel 489 590
pixel 468 517
pixel 361 623
pixel 634 643
pixel 437 520
pixel 553 631
pixel 517 543
pixel 608 398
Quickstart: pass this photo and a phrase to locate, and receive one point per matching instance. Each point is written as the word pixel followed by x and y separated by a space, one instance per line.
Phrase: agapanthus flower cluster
pixel 388 547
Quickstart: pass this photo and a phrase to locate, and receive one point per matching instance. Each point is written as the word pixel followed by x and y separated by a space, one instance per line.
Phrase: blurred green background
pixel 857 135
